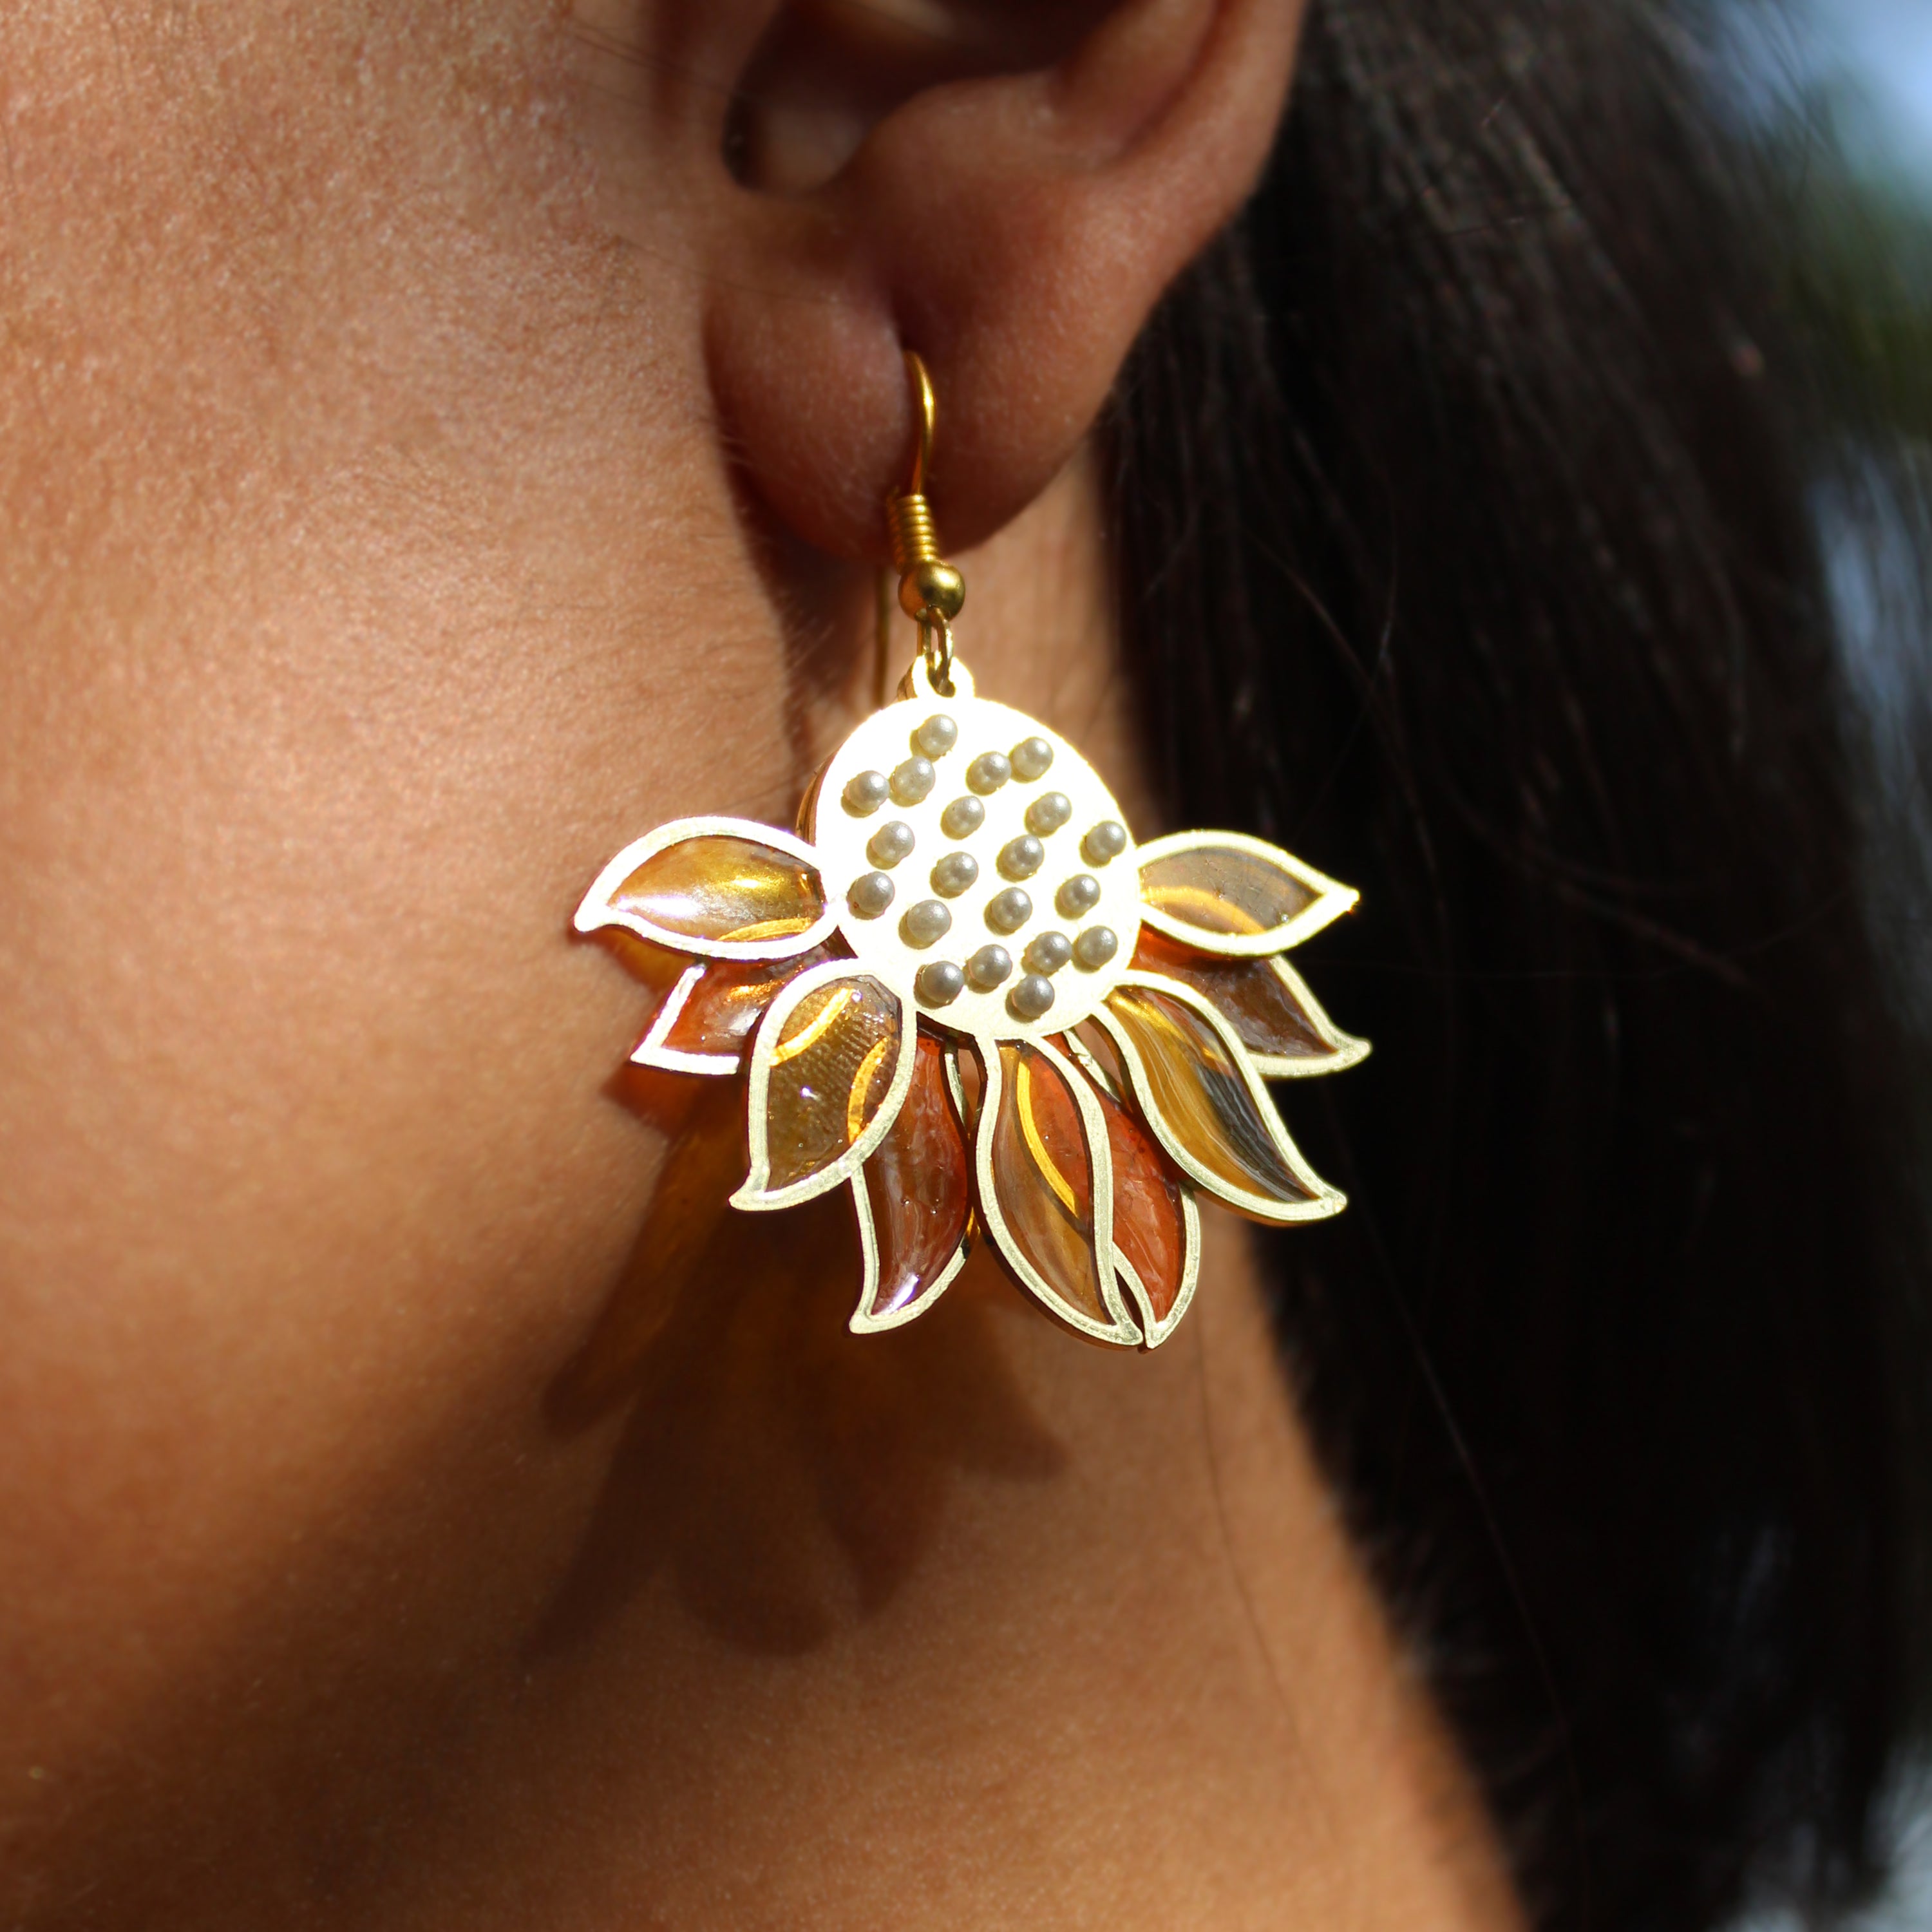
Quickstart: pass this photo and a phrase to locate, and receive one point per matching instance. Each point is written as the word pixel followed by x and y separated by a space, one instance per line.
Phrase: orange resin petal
pixel 918 1191
pixel 1207 1110
pixel 1152 1229
pixel 1222 891
pixel 1037 1164
pixel 725 1004
pixel 1228 893
pixel 831 1055
pixel 1264 1000
pixel 725 888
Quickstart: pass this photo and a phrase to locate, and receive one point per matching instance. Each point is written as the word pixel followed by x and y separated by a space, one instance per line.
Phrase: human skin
pixel 423 468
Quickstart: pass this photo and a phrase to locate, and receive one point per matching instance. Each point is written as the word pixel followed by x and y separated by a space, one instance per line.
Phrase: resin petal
pixel 724 888
pixel 830 1066
pixel 1198 1092
pixel 1225 892
pixel 1156 1226
pixel 914 1198
pixel 1266 1001
pixel 703 1022
pixel 1044 1176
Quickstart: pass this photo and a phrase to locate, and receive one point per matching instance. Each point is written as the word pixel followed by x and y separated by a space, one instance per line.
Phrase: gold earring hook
pixel 930 591
pixel 925 406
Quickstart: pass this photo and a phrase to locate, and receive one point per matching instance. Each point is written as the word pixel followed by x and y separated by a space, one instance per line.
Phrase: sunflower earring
pixel 963 991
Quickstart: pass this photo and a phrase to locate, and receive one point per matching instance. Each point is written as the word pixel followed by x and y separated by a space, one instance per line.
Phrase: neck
pixel 969 1623
pixel 736 1619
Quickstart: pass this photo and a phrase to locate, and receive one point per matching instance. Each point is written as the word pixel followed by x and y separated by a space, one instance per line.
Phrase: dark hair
pixel 1466 547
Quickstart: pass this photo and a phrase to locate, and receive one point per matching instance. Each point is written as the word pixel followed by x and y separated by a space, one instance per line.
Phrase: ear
pixel 1010 199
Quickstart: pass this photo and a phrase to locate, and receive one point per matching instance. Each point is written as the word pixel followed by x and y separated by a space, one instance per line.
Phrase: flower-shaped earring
pixel 963 992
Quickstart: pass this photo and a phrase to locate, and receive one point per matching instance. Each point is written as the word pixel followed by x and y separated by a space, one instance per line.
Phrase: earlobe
pixel 1017 228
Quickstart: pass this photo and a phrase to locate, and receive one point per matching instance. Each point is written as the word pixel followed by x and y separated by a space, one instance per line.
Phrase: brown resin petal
pixel 1266 1001
pixel 1228 893
pixel 830 1065
pixel 1045 1187
pixel 1202 1098
pixel 916 1196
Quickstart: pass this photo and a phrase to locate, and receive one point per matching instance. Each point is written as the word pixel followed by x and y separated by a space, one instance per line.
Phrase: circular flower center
pixel 983 867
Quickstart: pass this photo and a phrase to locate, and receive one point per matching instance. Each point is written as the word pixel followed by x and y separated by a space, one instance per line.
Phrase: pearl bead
pixel 988 771
pixel 890 843
pixel 1095 947
pixel 869 895
pixel 1032 757
pixel 913 781
pixel 939 984
pixel 1031 998
pixel 937 735
pixel 926 922
pixel 954 874
pixel 988 966
pixel 1107 840
pixel 962 818
pixel 1022 857
pixel 1081 893
pixel 864 793
pixel 1048 952
pixel 1048 812
pixel 1009 910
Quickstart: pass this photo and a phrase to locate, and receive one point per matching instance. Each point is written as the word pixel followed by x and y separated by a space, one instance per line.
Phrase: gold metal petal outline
pixel 1123 1332
pixel 1324 1200
pixel 756 942
pixel 956 1087
pixel 651 1050
pixel 1331 898
pixel 754 1194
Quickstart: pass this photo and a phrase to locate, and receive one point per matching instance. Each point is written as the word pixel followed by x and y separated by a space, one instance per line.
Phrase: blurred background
pixel 1840 93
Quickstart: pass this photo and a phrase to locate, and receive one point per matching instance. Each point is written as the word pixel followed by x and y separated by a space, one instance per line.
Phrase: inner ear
pixel 826 72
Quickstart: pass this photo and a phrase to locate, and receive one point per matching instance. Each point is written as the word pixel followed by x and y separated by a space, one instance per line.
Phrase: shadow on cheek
pixel 779 1468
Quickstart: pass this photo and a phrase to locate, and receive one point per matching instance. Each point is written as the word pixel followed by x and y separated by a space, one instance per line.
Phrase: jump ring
pixel 935 639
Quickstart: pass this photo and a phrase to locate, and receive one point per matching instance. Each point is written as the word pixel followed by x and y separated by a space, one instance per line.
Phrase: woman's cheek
pixel 367 579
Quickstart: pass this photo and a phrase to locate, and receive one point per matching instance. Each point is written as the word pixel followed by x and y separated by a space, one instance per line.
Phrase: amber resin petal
pixel 725 888
pixel 1156 1226
pixel 830 1066
pixel 914 1198
pixel 1225 892
pixel 702 1023
pixel 1198 1090
pixel 1044 1174
pixel 1266 1001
